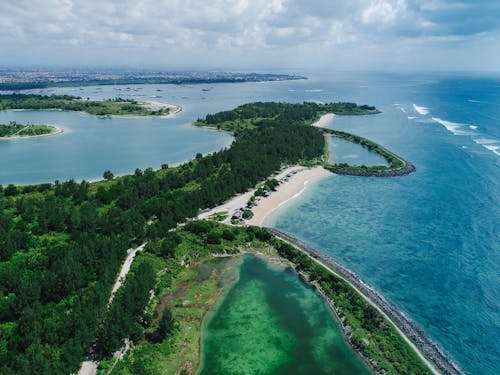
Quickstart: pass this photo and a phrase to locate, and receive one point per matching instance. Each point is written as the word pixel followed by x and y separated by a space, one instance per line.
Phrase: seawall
pixel 406 170
pixel 405 324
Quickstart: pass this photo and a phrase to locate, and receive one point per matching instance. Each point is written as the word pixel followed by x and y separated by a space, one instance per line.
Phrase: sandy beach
pixel 323 120
pixel 285 193
pixel 299 177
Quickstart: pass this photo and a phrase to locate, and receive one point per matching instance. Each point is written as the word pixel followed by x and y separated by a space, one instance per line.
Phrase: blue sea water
pixel 429 242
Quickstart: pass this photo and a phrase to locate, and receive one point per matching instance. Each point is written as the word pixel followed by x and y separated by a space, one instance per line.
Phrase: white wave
pixel 485 141
pixel 402 109
pixel 473 101
pixel 489 144
pixel 314 90
pixel 494 148
pixel 473 127
pixel 421 110
pixel 411 117
pixel 453 127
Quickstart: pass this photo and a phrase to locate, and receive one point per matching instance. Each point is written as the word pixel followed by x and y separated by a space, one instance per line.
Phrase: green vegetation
pixel 189 293
pixel 108 107
pixel 219 216
pixel 13 129
pixel 62 245
pixel 260 114
pixel 247 214
pixel 184 295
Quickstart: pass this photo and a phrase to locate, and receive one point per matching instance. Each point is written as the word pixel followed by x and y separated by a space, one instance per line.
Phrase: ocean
pixel 428 242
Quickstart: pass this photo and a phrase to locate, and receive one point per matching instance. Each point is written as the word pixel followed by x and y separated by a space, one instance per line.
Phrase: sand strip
pixel 284 193
pixel 323 120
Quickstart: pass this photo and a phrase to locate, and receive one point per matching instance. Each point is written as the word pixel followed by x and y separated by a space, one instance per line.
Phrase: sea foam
pixel 453 127
pixel 494 148
pixel 489 144
pixel 421 110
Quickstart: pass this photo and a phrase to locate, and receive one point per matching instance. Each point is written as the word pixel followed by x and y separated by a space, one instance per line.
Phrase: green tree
pixel 108 175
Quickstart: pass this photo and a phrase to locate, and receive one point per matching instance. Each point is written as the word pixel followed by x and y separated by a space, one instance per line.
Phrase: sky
pixel 293 35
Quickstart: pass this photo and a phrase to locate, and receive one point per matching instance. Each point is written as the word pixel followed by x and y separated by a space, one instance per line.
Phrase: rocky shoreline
pixel 406 170
pixel 405 324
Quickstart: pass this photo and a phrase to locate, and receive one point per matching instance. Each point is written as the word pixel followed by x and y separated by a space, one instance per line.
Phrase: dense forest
pixel 62 245
pixel 23 130
pixel 258 114
pixel 117 106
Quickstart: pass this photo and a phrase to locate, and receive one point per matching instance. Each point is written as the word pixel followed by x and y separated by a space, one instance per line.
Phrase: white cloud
pixel 267 28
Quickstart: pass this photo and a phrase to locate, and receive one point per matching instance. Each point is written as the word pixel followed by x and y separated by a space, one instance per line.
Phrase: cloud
pixel 238 27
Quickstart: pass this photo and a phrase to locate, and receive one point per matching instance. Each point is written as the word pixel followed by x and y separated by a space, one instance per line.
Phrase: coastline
pixel 426 349
pixel 174 109
pixel 292 187
pixel 285 192
pixel 323 120
pixel 57 131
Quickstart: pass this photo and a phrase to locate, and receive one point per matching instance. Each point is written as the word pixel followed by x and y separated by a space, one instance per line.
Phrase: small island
pixel 109 107
pixel 15 130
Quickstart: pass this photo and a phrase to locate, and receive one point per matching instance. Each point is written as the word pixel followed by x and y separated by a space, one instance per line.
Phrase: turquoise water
pixel 344 151
pixel 269 322
pixel 90 145
pixel 429 242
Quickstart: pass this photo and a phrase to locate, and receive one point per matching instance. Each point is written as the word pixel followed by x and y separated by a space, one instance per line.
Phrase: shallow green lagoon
pixel 269 322
pixel 344 151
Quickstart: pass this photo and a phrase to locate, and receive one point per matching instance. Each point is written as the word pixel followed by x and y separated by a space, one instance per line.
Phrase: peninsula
pixel 64 245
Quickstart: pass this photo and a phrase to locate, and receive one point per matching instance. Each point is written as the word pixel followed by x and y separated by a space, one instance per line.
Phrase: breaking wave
pixel 421 110
pixel 453 127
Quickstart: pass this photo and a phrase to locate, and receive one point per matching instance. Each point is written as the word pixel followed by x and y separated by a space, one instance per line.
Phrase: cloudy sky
pixel 401 35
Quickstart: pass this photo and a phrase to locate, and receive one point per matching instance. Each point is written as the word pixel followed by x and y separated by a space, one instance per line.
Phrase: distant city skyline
pixel 397 35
